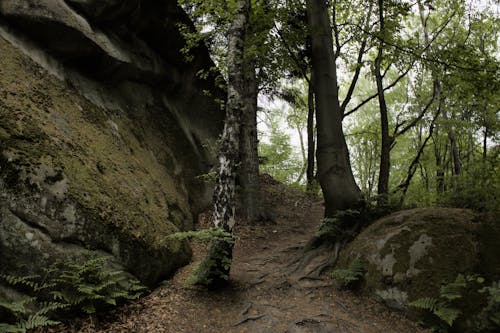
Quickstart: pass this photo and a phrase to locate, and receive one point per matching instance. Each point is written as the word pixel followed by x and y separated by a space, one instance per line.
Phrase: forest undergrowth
pixel 263 294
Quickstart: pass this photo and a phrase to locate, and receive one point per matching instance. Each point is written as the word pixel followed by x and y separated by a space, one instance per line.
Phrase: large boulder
pixel 104 128
pixel 410 254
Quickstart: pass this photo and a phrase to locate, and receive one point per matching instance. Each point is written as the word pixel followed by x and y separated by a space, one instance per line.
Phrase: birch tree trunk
pixel 334 169
pixel 214 270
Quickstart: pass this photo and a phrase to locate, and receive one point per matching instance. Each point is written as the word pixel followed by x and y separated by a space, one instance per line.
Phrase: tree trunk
pixel 385 152
pixel 214 270
pixel 311 144
pixel 485 143
pixel 249 167
pixel 457 163
pixel 334 169
pixel 304 155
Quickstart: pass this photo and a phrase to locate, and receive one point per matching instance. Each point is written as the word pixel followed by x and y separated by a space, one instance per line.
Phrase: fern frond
pixel 353 273
pixel 46 307
pixel 37 320
pixel 426 303
pixel 454 290
pixel 9 328
pixel 446 314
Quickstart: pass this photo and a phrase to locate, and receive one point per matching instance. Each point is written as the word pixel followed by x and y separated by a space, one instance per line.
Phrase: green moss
pixel 426 248
pixel 110 173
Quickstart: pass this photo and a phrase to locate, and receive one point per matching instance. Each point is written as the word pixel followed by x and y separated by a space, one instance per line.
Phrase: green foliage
pixel 91 285
pixel 350 276
pixel 276 152
pixel 489 318
pixel 25 313
pixel 448 306
pixel 478 187
pixel 214 269
pixel 66 286
pixel 204 235
pixel 335 228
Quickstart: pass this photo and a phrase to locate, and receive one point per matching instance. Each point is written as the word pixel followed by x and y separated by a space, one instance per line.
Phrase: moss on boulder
pixel 410 254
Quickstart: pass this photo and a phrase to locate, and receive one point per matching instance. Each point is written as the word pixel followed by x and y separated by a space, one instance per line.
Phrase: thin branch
pixel 420 54
pixel 402 75
pixel 336 32
pixel 412 168
pixel 359 65
pixel 292 55
pixel 420 116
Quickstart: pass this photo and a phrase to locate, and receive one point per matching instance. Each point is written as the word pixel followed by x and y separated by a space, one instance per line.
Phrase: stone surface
pixel 103 130
pixel 410 254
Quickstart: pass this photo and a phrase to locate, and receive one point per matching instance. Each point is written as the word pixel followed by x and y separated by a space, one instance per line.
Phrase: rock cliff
pixel 104 127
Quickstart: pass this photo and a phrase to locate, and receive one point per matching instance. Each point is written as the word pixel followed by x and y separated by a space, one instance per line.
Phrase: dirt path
pixel 262 296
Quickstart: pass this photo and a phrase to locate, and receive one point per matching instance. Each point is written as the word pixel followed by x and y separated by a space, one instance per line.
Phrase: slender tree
pixel 214 270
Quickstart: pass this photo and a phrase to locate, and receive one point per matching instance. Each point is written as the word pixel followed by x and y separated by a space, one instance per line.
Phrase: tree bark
pixel 334 169
pixel 311 144
pixel 214 270
pixel 385 152
pixel 485 143
pixel 457 163
pixel 249 167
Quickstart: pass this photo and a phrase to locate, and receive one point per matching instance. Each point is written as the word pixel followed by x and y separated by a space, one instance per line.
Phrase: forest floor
pixel 262 295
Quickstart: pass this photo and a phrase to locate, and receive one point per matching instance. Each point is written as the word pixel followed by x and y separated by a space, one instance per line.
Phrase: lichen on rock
pixel 411 254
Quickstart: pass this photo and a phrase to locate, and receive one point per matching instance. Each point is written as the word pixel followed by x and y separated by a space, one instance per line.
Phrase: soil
pixel 262 296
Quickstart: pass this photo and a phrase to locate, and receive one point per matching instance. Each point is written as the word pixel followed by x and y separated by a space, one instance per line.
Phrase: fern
pixel 352 274
pixel 91 285
pixel 204 235
pixel 67 286
pixel 9 328
pixel 425 303
pixel 446 307
pixel 25 319
pixel 34 321
pixel 491 312
pixel 30 282
pixel 454 290
pixel 447 314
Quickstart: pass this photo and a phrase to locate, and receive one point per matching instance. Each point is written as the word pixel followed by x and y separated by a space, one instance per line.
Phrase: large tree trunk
pixel 249 167
pixel 334 170
pixel 385 152
pixel 311 144
pixel 214 270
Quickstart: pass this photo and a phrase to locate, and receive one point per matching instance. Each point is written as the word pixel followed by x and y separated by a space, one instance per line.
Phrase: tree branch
pixel 359 65
pixel 402 75
pixel 292 55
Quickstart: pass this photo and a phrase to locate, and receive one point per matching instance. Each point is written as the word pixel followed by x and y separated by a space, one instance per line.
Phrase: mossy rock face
pixel 101 136
pixel 410 254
